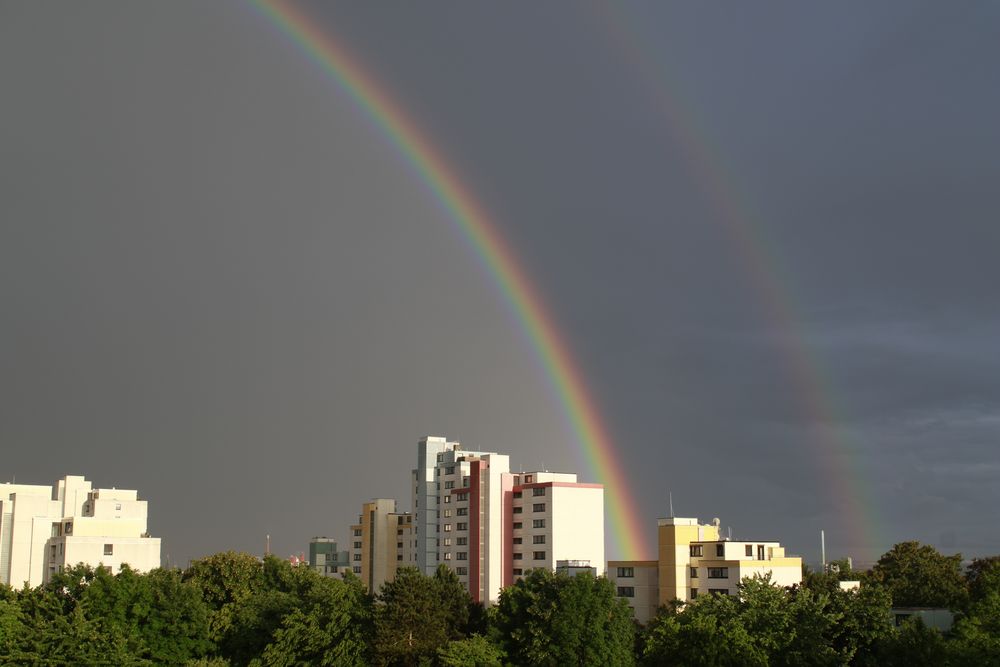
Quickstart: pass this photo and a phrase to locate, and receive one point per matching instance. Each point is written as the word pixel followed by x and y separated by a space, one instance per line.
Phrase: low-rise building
pixel 326 559
pixel 694 560
pixel 44 530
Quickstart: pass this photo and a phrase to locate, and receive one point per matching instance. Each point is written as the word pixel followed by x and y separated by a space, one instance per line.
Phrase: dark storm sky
pixel 221 285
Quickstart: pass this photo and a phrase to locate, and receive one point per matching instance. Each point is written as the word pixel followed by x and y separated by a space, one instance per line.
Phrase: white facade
pixel 44 530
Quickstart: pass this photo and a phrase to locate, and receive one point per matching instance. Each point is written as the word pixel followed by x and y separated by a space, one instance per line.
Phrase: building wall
pixel 44 529
pixel 638 582
pixel 674 538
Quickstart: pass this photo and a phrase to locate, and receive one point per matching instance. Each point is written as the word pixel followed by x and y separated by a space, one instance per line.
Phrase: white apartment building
pixel 43 530
pixel 486 523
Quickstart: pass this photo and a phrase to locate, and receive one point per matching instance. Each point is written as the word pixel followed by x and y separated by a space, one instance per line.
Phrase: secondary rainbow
pixel 472 222
pixel 837 453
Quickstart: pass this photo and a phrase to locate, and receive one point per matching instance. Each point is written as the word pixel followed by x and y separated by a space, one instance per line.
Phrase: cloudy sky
pixel 768 233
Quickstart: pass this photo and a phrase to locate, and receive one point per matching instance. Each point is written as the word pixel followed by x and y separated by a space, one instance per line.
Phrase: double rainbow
pixel 474 225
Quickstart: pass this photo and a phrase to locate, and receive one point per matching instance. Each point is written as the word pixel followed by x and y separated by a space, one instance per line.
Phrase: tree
pixel 917 575
pixel 419 615
pixel 913 644
pixel 331 627
pixel 475 651
pixel 706 632
pixel 550 619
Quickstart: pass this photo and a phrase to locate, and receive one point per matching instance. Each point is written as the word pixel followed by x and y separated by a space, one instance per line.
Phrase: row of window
pixel 535 555
pixel 459 555
pixel 713 573
pixel 537 507
pixel 697 550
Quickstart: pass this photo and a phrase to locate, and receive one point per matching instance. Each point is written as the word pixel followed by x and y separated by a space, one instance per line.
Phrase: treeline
pixel 233 609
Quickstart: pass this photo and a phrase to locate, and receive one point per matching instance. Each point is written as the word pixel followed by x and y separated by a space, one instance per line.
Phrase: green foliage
pixel 918 575
pixel 331 627
pixel 476 651
pixel 913 644
pixel 419 615
pixel 233 609
pixel 549 619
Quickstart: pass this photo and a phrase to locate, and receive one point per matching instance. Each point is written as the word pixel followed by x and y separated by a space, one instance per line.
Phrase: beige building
pixel 693 560
pixel 43 530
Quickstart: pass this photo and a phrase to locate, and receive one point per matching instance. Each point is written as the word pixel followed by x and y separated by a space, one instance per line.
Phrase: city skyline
pixel 766 238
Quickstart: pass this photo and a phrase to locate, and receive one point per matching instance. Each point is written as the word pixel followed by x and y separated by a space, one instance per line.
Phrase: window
pixel 517 540
pixel 440 458
pixel 626 572
pixel 462 570
pixel 538 523
pixel 462 497
pixel 450 484
pixel 538 555
pixel 720 550
pixel 462 555
pixel 118 506
pixel 694 593
pixel 538 507
pixel 399 556
pixel 461 541
pixel 462 526
pixel 357 532
pixel 696 550
pixel 750 550
pixel 528 478
pixel 357 545
pixel 719 591
pixel 462 511
pixel 538 539
pixel 399 531
pixel 718 573
pixel 447 527
pixel 694 573
pixel 538 491
pixel 68 528
pixel 447 499
pixel 518 494
pixel 357 556
pixel 518 556
pixel 518 572
pixel 518 510
pixel 357 569
pixel 465 481
pixel 517 525
pixel 399 545
pixel 450 470
pixel 447 555
pixel 626 591
pixel 447 513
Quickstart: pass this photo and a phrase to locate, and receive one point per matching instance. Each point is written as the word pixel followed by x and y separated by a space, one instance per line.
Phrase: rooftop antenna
pixel 822 547
pixel 671 494
pixel 267 549
pixel 730 528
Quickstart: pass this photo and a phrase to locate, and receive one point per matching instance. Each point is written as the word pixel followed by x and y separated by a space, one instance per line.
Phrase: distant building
pixel 326 559
pixel 694 561
pixel 44 530
pixel 486 523
pixel 938 618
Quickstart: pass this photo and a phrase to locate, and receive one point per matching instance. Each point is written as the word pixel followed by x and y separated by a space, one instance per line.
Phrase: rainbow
pixel 474 225
pixel 837 454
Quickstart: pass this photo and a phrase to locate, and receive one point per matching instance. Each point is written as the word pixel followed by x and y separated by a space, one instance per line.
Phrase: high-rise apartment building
pixel 471 513
pixel 43 530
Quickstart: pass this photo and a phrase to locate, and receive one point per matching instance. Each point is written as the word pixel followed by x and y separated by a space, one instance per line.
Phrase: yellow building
pixel 693 560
